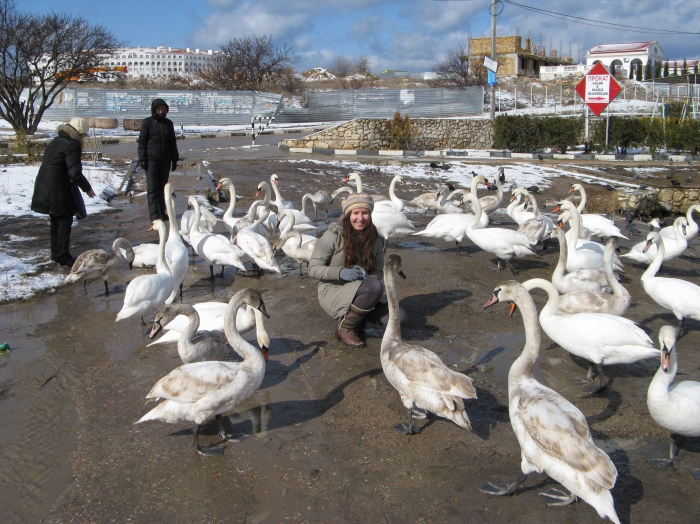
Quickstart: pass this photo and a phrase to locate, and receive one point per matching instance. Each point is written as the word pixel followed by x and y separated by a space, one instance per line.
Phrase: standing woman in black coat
pixel 60 170
pixel 158 156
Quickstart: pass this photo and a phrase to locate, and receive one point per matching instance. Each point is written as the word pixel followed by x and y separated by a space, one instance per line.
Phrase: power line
pixel 597 23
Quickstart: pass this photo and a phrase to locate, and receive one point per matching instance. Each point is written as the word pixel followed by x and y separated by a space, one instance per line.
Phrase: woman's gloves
pixel 351 275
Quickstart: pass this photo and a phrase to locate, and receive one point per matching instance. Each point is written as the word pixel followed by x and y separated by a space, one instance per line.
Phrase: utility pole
pixel 494 6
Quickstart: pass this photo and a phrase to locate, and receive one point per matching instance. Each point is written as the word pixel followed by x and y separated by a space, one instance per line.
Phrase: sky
pixel 408 34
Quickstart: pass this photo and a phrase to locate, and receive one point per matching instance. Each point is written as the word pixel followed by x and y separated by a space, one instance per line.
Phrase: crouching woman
pixel 348 262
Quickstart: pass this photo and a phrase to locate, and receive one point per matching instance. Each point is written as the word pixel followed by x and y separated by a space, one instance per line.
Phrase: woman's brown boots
pixel 345 329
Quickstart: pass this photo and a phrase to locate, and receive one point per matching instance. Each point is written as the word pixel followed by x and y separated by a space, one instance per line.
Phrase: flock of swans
pixel 583 315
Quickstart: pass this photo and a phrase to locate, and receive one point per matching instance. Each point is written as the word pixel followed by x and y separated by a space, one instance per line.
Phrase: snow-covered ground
pixel 22 277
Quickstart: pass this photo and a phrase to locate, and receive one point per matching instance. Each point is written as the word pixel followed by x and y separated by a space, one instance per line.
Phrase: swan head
pixel 163 317
pixel 682 224
pixel 192 202
pixel 565 205
pixel 576 187
pixel 652 238
pixel 351 176
pixel 261 187
pixel 224 182
pixel 505 292
pixel 394 264
pixel 274 179
pixel 667 341
pixel 253 298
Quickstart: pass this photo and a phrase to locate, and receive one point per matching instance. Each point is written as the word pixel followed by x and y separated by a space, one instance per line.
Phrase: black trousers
pixel 156 178
pixel 60 238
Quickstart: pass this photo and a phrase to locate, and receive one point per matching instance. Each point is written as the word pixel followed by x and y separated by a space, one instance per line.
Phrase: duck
pixel 452 227
pixel 421 378
pixel 215 249
pixel 257 248
pixel 320 200
pixel 600 338
pixel 553 434
pixel 506 244
pixel 691 230
pixel 147 293
pixel 279 202
pixel 194 344
pixel 678 295
pixel 100 261
pixel 579 280
pixel 676 407
pixel 615 303
pixel 645 253
pixel 295 249
pixel 175 250
pixel 200 391
pixel 598 225
pixel 211 315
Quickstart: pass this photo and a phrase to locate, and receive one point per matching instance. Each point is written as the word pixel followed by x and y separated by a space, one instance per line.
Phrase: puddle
pixel 505 348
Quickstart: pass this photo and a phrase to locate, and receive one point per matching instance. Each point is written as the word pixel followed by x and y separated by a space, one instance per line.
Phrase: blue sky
pixel 409 34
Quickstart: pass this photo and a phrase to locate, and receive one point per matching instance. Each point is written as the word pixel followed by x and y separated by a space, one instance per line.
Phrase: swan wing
pixel 146 287
pixel 191 382
pixel 424 369
pixel 602 327
pixel 561 431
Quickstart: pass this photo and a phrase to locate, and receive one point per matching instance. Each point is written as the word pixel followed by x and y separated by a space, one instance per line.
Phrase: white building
pixel 620 58
pixel 160 61
pixel 560 71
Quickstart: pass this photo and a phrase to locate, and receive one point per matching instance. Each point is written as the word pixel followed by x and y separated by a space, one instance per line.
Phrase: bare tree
pixel 291 82
pixel 362 66
pixel 40 55
pixel 248 63
pixel 455 70
pixel 342 67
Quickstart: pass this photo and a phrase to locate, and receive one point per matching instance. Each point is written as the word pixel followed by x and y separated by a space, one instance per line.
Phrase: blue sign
pixel 491 78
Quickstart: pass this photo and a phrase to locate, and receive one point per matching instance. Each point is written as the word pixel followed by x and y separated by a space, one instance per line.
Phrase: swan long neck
pixel 535 207
pixel 197 216
pixel 552 304
pixel 193 321
pixel 161 265
pixel 575 222
pixel 657 262
pixel 515 203
pixel 392 190
pixel 477 210
pixel 238 343
pixel 174 231
pixel 677 230
pixel 123 242
pixel 523 365
pixel 616 287
pixel 303 202
pixel 292 234
pixel 278 196
pixel 560 270
pixel 267 192
pixel 289 225
pixel 358 182
pixel 232 200
pixel 393 328
pixel 584 199
pixel 475 184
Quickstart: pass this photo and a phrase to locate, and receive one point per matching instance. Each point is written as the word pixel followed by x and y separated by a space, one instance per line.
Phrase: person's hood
pixel 159 102
pixel 70 131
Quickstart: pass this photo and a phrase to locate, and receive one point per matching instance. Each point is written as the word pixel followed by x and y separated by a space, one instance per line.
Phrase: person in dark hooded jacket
pixel 61 169
pixel 158 156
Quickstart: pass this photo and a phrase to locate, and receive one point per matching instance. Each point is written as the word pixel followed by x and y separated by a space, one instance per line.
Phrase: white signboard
pixel 490 64
pixel 598 89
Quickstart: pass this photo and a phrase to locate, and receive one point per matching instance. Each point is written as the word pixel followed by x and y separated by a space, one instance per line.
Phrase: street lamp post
pixel 494 5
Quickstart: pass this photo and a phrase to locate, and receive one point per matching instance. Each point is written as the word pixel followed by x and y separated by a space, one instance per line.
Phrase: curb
pixel 443 153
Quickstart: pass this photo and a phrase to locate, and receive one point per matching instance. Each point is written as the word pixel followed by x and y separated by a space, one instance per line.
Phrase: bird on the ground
pixel 670 161
pixel 533 189
pixel 687 179
pixel 609 187
pixel 669 176
pixel 445 166
pixel 688 162
pixel 434 165
pixel 675 183
pixel 100 261
pixel 540 157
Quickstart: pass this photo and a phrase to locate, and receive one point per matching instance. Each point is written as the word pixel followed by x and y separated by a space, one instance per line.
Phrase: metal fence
pixel 190 107
pixel 383 103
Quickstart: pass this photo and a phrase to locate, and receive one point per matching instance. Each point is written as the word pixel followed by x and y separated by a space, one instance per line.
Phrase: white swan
pixel 394 202
pixel 580 280
pixel 148 293
pixel 301 221
pixel 506 244
pixel 517 210
pixel 278 202
pixel 291 244
pixel 207 220
pixel 433 200
pixel 615 303
pixel 228 220
pixel 419 375
pixel 271 221
pixel 490 203
pixel 100 261
pixel 537 228
pixel 175 250
pixel 673 248
pixel 320 200
pixel 215 249
pixel 584 235
pixel 212 315
pixel 691 230
pixel 598 337
pixel 553 434
pixel 680 296
pixel 598 225
pixel 257 247
pixel 287 222
pixel 674 407
pixel 445 205
pixel 256 210
pixel 199 391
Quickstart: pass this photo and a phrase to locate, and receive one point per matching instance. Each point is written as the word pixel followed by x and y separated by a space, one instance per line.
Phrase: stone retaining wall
pixel 431 134
pixel 650 201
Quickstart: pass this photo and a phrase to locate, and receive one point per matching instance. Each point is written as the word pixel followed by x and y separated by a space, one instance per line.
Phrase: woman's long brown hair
pixel 354 249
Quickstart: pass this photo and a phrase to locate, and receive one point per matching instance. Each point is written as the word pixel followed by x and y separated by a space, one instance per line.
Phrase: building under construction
pixel 513 58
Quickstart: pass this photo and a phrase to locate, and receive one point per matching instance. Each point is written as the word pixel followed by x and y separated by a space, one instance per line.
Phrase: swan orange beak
pixel 345 180
pixel 560 224
pixel 218 186
pixel 556 208
pixel 257 193
pixel 265 354
pixel 494 299
pixel 150 228
pixel 648 246
pixel 571 190
pixel 512 308
pixel 665 358
pixel 277 182
pixel 512 198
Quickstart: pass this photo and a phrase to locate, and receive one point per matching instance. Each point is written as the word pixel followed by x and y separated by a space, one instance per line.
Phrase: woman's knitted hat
pixel 357 200
pixel 80 125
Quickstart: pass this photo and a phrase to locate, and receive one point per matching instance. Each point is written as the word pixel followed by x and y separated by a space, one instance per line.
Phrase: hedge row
pixel 526 133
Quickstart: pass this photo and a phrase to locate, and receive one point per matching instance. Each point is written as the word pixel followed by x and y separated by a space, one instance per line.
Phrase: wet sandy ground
pixel 323 448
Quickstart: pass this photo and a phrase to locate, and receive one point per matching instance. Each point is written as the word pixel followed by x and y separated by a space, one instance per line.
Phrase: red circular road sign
pixel 598 88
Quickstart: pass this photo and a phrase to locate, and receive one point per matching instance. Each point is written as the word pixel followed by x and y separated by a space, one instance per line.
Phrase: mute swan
pixel 598 337
pixel 341 190
pixel 645 252
pixel 517 209
pixel 430 201
pixel 286 224
pixel 674 407
pixel 194 344
pixel 215 249
pixel 207 220
pixel 256 209
pixel 295 249
pixel 394 202
pixel 598 225
pixel 691 230
pixel 320 200
pixel 211 315
pixel 148 293
pixel 257 247
pixel 584 235
pixel 271 222
pixel 506 244
pixel 199 391
pixel 175 250
pixel 444 203
pixel 553 434
pixel 228 220
pixel 301 221
pixel 490 203
pixel 100 261
pixel 281 204
pixel 452 227
pixel 538 227
pixel 680 296
pixel 580 280
pixel 419 375
pixel 616 303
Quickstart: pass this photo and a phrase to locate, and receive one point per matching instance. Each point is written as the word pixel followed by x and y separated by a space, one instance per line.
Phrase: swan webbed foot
pixel 208 450
pixel 406 429
pixel 595 390
pixel 668 464
pixel 557 497
pixel 503 488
